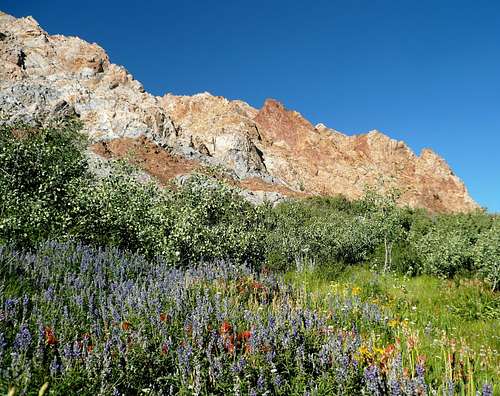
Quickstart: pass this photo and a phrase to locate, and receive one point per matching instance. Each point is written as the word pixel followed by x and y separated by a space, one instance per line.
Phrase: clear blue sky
pixel 424 71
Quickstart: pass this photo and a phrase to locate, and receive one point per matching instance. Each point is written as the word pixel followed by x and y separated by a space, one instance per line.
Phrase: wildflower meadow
pixel 112 285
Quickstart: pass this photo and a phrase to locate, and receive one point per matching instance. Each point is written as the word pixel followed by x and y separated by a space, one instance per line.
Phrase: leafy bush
pixel 486 253
pixel 200 220
pixel 314 231
pixel 38 167
pixel 444 245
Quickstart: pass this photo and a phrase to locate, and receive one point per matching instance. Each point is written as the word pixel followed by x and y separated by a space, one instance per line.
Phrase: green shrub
pixel 318 231
pixel 38 167
pixel 444 245
pixel 486 253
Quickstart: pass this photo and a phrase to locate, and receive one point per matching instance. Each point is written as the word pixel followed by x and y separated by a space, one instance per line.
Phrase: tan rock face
pixel 40 74
pixel 47 76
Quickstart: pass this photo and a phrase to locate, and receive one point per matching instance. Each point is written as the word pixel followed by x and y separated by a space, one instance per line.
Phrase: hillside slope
pixel 44 76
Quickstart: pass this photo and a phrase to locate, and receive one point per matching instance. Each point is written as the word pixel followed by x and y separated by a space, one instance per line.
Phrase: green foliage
pixel 201 220
pixel 38 168
pixel 49 193
pixel 318 230
pixel 213 221
pixel 119 210
pixel 486 253
pixel 448 245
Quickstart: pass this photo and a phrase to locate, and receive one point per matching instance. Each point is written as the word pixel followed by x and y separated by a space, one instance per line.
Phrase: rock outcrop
pixel 271 150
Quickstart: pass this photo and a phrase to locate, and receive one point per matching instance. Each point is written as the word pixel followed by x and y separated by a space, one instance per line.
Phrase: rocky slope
pixel 266 150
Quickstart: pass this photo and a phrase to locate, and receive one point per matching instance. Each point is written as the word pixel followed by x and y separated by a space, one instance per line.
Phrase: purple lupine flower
pixel 107 347
pixel 342 369
pixel 450 388
pixel 239 366
pixel 270 356
pixel 394 388
pixel 420 381
pixel 10 307
pixel 23 339
pixel 261 383
pixel 183 357
pixel 217 368
pixel 55 367
pixel 420 370
pixel 49 293
pixel 487 390
pixel 372 380
pixel 66 312
pixel 277 380
pixel 68 350
pixel 79 300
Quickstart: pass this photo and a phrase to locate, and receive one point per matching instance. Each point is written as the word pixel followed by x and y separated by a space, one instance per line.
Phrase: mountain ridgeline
pixel 271 152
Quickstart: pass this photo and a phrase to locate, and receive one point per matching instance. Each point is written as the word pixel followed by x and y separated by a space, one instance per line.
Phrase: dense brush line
pixel 49 192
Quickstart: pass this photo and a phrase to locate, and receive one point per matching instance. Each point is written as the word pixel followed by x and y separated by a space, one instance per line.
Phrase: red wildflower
pixel 50 338
pixel 90 348
pixel 244 335
pixel 165 317
pixel 225 328
pixel 389 349
pixel 164 349
pixel 126 326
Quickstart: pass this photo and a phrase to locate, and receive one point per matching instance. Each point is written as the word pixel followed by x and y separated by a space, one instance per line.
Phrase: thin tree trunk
pixel 386 254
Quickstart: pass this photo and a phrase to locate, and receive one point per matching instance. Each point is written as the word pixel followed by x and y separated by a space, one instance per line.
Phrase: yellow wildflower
pixel 379 351
pixel 356 290
pixel 393 323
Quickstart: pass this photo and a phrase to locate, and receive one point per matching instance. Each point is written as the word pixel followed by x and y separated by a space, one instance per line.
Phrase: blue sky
pixel 426 72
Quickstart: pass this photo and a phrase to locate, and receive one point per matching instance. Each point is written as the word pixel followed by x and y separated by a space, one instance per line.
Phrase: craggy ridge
pixel 271 149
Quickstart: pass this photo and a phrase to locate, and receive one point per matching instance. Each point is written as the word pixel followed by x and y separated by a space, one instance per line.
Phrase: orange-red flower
pixel 165 317
pixel 225 328
pixel 126 326
pixel 244 335
pixel 50 338
pixel 389 349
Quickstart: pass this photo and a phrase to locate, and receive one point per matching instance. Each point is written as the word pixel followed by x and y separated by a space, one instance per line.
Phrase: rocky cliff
pixel 267 150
